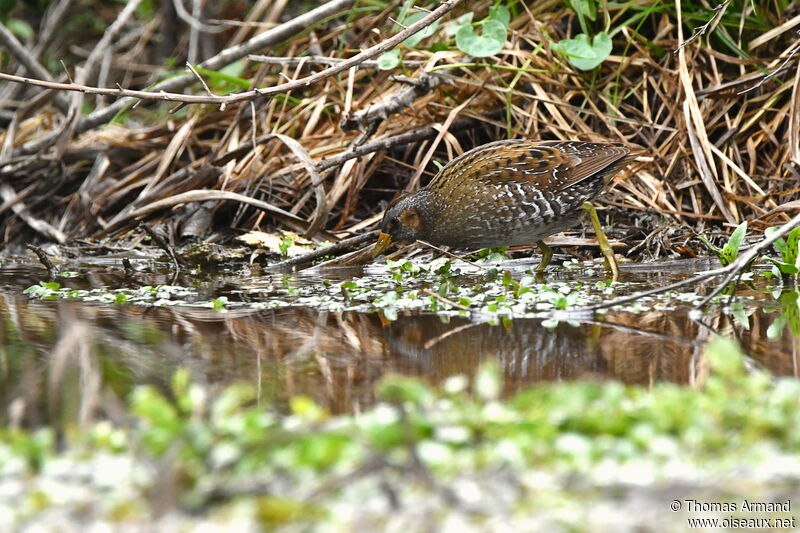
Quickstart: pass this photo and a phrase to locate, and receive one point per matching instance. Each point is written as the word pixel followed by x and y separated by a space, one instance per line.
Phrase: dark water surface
pixel 72 360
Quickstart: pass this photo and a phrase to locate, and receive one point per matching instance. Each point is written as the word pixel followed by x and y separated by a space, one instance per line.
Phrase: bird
pixel 508 193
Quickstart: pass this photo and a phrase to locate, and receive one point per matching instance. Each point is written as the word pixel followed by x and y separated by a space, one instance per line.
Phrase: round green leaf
pixel 585 55
pixel 488 44
pixel 389 60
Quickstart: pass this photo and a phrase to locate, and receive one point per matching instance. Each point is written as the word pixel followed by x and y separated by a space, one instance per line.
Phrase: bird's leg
pixel 605 247
pixel 547 255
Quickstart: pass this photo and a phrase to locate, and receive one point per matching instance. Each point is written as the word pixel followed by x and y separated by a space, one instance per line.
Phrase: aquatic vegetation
pixel 730 251
pixel 482 290
pixel 789 262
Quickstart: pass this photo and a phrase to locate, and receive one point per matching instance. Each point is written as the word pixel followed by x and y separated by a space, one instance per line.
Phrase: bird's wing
pixel 551 165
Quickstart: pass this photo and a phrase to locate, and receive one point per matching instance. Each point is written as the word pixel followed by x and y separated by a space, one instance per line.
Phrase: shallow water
pixel 69 360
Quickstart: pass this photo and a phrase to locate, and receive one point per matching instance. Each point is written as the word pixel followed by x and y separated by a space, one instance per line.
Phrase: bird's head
pixel 407 219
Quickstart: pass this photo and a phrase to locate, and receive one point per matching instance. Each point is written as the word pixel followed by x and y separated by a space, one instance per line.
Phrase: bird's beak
pixel 384 240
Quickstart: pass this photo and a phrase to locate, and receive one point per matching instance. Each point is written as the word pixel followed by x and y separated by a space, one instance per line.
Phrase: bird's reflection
pixel 527 351
pixel 338 358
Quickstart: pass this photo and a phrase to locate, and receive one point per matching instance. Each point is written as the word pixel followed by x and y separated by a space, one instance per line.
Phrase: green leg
pixel 605 247
pixel 547 255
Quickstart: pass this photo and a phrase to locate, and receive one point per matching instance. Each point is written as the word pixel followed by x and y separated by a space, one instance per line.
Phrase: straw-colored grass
pixel 719 121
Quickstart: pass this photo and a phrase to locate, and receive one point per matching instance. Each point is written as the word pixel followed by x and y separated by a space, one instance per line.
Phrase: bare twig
pixel 701 30
pixel 320 60
pixel 341 246
pixel 9 197
pixel 775 72
pixel 163 95
pixel 287 218
pixel 397 102
pixel 741 263
pixel 225 57
pixel 43 259
pixel 447 301
pixel 29 61
pixel 196 24
pixel 84 73
pixel 161 243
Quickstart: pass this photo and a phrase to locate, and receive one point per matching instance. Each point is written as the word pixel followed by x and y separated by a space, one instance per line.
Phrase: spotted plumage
pixel 505 193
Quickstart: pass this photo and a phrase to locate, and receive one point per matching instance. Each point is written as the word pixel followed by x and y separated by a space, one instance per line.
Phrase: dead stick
pixel 247 96
pixel 261 41
pixel 43 259
pixel 161 243
pixel 341 246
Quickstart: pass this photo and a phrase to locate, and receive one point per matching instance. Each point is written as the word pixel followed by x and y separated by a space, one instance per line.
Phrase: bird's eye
pixel 393 225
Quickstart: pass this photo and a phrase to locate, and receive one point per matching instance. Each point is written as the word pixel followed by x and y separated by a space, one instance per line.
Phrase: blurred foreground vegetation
pixel 567 456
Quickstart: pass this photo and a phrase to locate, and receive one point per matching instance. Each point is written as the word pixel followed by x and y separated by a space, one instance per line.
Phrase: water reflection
pixel 73 361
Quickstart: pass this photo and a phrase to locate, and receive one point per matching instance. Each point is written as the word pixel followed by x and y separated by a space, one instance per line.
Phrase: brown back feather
pixel 554 165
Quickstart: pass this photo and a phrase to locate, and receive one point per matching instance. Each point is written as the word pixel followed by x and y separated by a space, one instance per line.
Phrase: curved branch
pixel 349 63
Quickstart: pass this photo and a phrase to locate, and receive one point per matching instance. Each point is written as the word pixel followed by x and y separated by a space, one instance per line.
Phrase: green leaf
pixel 218 304
pixel 584 8
pixel 740 315
pixel 775 329
pixel 20 28
pixel 50 285
pixel 488 44
pixel 235 69
pixel 452 28
pixel 791 311
pixel 423 33
pixel 792 254
pixel 731 250
pixel 785 268
pixel 779 245
pixel 284 246
pixel 389 60
pixel 223 79
pixel 501 14
pixel 585 55
pixel 725 357
pixel 307 409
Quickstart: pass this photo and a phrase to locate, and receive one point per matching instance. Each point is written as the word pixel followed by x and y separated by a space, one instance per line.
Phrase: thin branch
pixel 320 60
pixel 371 52
pixel 195 23
pixel 44 260
pixel 21 54
pixel 741 263
pixel 402 99
pixel 775 72
pixel 202 195
pixel 701 30
pixel 229 55
pixel 159 241
pixel 341 246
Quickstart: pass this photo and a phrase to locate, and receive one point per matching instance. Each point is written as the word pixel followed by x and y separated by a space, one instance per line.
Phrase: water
pixel 69 361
